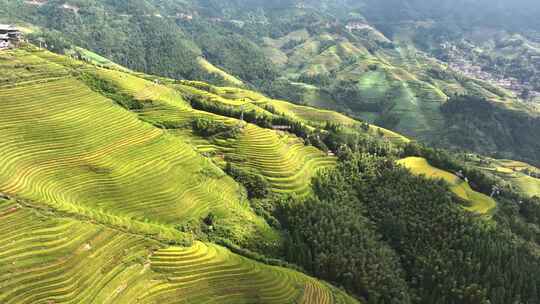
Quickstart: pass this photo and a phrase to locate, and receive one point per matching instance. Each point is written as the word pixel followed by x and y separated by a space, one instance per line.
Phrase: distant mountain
pixel 385 62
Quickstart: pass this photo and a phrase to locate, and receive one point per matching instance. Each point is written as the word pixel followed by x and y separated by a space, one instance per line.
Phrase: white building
pixel 9 35
pixel 4 41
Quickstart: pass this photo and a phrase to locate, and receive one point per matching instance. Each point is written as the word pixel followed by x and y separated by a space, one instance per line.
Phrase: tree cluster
pixel 390 237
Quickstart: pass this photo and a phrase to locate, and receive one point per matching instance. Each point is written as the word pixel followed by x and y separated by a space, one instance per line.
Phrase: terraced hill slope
pixel 329 54
pixel 521 176
pixel 371 77
pixel 47 258
pixel 103 174
pixel 374 72
pixel 479 202
pixel 281 158
pixel 81 152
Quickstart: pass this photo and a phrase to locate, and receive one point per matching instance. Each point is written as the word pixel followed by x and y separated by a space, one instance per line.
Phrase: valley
pixel 270 152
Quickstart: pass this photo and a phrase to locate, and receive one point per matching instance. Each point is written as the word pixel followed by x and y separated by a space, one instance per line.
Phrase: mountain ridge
pixel 314 53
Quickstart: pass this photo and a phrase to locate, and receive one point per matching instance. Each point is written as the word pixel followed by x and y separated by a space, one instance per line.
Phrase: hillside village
pixel 520 89
pixel 458 62
pixel 10 36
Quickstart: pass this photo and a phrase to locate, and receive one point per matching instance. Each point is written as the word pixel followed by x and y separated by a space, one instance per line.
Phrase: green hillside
pixel 282 159
pixel 389 67
pixel 118 187
pixel 47 258
pixel 277 151
pixel 370 77
pixel 112 159
pixel 523 177
pixel 108 157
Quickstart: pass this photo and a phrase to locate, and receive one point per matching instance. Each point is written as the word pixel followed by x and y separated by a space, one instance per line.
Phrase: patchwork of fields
pixel 92 154
pixel 282 158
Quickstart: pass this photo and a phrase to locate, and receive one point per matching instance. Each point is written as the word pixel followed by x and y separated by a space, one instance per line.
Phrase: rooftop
pixel 7 27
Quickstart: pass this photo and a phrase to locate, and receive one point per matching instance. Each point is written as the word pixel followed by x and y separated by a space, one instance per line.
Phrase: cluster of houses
pixel 10 36
pixel 356 25
pixel 511 84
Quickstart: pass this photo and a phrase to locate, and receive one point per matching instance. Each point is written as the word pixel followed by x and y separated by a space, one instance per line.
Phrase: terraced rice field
pixel 68 146
pixel 390 135
pixel 211 69
pixel 58 260
pixel 234 279
pixel 479 203
pixel 255 101
pixel 236 93
pixel 286 162
pixel 514 173
pixel 233 99
pixel 20 67
pixel 100 191
pixel 282 159
pixel 98 59
pixel 374 86
pixel 528 185
pixel 310 114
pixel 46 259
pixel 142 89
pixel 164 105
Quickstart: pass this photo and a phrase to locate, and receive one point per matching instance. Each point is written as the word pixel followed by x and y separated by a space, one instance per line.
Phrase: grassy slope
pixel 212 69
pixel 391 82
pixel 479 202
pixel 281 158
pixel 95 58
pixel 310 114
pixel 97 169
pixel 47 258
pixel 67 145
pixel 411 86
pixel 255 101
pixel 528 185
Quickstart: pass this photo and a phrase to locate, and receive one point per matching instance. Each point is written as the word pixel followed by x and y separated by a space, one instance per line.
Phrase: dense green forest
pixel 495 129
pixel 389 237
